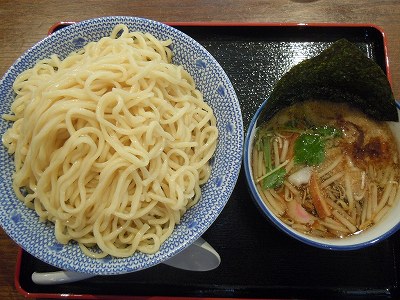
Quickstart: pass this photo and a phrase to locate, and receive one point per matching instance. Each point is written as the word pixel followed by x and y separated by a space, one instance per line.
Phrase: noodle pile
pixel 111 144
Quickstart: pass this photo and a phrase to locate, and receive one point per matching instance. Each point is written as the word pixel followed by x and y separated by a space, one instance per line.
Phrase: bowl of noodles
pixel 306 176
pixel 321 154
pixel 118 133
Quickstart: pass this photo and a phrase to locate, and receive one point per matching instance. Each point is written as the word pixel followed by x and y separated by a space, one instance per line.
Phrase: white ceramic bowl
pixel 22 224
pixel 385 228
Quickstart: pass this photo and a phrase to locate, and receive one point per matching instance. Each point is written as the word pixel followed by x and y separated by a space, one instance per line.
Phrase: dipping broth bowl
pixel 376 233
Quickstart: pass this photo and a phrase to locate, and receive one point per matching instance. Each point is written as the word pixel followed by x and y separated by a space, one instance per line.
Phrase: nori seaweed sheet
pixel 340 73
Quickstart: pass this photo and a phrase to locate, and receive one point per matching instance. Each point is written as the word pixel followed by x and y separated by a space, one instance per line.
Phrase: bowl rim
pixel 277 222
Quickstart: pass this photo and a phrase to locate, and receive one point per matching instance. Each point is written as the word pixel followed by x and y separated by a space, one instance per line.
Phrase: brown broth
pixel 350 190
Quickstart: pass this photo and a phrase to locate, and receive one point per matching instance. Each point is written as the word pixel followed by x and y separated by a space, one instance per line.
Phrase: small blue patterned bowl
pixel 389 225
pixel 22 224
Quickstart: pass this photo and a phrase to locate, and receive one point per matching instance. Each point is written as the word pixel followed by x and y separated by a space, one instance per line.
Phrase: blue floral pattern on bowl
pixel 37 238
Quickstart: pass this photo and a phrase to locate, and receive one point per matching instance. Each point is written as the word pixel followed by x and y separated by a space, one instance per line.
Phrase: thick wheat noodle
pixel 331 166
pixel 332 179
pixel 329 223
pixel 344 221
pixel 111 144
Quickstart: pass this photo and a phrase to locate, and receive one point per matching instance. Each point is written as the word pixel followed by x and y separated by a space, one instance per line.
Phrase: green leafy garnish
pixel 267 153
pixel 275 179
pixel 309 147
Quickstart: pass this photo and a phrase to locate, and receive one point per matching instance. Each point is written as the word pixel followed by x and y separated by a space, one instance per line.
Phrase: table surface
pixel 23 23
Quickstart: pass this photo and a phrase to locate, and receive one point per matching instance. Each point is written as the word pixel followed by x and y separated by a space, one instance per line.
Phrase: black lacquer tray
pixel 258 260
